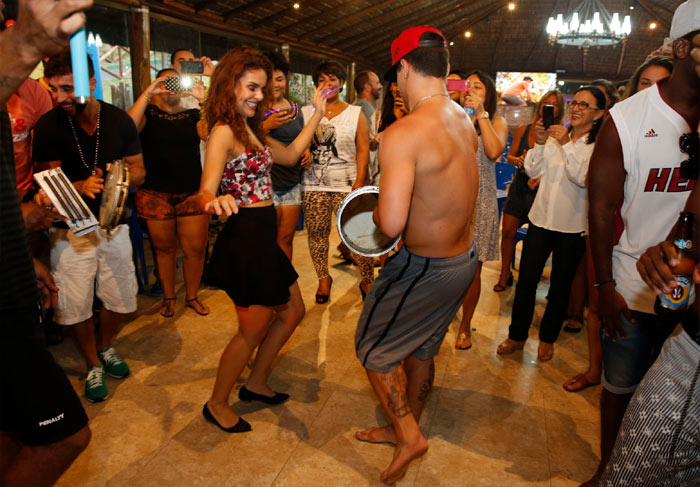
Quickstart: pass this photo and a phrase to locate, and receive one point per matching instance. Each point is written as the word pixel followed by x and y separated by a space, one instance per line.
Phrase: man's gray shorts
pixel 410 306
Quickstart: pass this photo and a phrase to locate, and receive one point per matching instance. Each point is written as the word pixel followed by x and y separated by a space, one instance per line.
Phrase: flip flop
pixel 573 329
pixel 578 383
pixel 460 339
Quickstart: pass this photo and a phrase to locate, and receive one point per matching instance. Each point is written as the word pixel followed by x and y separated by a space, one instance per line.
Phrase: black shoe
pixel 241 427
pixel 246 395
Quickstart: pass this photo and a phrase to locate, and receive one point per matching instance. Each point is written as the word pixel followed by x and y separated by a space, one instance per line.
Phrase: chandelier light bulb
pixel 626 25
pixel 615 25
pixel 574 24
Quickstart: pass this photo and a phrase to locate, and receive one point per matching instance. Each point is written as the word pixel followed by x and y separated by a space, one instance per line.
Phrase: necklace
pixel 425 98
pixel 97 142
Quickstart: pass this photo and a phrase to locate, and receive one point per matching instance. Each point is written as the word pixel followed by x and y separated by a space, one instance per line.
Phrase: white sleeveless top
pixel 654 193
pixel 333 152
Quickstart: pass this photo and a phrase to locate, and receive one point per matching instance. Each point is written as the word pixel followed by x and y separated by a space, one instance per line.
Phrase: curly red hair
pixel 220 104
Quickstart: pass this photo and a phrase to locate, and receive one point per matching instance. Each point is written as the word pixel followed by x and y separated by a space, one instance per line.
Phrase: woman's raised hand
pixel 472 100
pixel 320 97
pixel 540 132
pixel 221 204
pixel 157 87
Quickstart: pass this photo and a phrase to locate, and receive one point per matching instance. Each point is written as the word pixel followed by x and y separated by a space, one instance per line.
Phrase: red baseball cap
pixel 409 40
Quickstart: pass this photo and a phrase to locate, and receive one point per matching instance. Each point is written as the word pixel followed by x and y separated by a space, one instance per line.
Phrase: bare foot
pixel 545 351
pixel 403 455
pixel 382 434
pixel 464 341
pixel 222 414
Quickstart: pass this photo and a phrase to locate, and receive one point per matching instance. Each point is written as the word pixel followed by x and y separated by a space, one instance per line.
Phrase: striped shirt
pixel 18 288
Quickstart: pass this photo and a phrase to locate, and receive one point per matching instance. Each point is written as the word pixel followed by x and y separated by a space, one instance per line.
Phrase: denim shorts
pixel 290 197
pixel 627 360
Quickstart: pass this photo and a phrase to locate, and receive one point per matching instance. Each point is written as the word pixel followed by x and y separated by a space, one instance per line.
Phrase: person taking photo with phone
pixel 557 219
pixel 167 200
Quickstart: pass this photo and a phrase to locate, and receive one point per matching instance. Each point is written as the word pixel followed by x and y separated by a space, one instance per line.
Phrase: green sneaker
pixel 113 365
pixel 95 388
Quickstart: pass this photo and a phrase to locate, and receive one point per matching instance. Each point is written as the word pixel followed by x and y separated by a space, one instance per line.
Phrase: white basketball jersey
pixel 654 193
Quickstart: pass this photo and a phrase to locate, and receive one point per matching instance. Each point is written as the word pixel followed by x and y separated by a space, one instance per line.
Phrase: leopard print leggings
pixel 319 207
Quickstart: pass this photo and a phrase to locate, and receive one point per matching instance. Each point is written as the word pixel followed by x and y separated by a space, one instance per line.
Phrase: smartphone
pixel 192 67
pixel 547 116
pixel 457 85
pixel 173 83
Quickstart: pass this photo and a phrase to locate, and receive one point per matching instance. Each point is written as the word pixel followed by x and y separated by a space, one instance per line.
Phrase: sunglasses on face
pixel 581 104
pixel 690 144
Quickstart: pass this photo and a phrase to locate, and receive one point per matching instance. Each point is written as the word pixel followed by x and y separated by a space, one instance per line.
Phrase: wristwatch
pixel 484 114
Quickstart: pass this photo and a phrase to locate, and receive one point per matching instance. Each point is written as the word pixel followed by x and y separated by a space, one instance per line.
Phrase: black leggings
pixel 567 250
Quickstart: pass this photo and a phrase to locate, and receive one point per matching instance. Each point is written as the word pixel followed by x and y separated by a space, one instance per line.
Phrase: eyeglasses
pixel 581 104
pixel 690 144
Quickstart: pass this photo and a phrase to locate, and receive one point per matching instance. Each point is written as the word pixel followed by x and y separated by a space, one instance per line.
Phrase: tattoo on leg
pixel 396 398
pixel 427 385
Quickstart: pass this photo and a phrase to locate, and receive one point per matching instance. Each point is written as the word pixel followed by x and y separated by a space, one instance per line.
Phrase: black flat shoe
pixel 241 427
pixel 245 395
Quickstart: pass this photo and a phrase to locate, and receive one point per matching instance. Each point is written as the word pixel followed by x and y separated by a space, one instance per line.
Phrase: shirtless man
pixel 427 192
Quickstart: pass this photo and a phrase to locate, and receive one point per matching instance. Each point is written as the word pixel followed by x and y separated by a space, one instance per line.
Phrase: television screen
pixel 512 84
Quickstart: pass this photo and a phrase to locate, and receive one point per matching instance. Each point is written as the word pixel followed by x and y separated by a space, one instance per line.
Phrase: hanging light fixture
pixel 589 25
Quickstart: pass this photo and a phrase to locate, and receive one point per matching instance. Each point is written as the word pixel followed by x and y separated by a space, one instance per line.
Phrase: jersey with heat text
pixel 654 191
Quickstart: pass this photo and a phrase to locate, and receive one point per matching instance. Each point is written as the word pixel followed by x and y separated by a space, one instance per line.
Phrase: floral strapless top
pixel 247 177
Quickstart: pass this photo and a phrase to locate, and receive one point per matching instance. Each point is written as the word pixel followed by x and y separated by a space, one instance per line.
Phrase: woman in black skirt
pixel 247 263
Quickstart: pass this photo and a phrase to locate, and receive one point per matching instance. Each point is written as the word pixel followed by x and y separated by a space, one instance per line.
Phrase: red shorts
pixel 155 205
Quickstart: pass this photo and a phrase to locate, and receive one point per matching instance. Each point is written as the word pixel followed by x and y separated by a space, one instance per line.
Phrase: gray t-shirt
pixel 367 108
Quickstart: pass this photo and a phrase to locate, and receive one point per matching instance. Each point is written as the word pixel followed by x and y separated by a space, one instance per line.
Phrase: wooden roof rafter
pixel 370 51
pixel 653 13
pixel 265 20
pixel 354 32
pixel 345 20
pixel 382 37
pixel 318 16
pixel 228 15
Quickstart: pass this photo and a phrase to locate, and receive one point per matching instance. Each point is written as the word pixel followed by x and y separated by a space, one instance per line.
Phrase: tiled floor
pixel 490 420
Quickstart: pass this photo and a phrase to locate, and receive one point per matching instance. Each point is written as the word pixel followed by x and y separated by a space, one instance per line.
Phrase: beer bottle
pixel 680 297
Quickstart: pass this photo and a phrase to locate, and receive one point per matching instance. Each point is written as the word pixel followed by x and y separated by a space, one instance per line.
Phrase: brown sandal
pixel 167 309
pixel 509 346
pixel 197 306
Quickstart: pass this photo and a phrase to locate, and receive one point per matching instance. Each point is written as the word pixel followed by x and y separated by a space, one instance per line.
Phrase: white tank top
pixel 333 152
pixel 654 192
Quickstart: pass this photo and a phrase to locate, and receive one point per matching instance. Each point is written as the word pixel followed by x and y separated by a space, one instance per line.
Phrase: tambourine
pixel 356 226
pixel 114 195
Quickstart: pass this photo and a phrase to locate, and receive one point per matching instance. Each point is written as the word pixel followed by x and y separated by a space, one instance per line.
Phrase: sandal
pixel 197 306
pixel 499 288
pixel 509 346
pixel 545 351
pixel 578 383
pixel 167 309
pixel 573 325
pixel 461 338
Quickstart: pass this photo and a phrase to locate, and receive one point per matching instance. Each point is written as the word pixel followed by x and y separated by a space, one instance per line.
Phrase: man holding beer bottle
pixel 665 408
pixel 637 160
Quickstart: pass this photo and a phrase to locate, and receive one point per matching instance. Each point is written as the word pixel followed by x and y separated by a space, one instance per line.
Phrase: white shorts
pixel 77 261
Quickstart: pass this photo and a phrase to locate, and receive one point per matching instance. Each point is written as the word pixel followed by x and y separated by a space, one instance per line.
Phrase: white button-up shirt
pixel 561 203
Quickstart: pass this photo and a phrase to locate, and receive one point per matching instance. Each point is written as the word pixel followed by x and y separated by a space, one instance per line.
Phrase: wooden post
pixel 350 96
pixel 140 42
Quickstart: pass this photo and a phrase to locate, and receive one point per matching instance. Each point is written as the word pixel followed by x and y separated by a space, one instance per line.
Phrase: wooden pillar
pixel 350 97
pixel 140 49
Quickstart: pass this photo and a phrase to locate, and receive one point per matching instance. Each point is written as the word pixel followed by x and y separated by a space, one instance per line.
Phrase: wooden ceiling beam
pixel 451 28
pixel 199 6
pixel 354 32
pixel 399 23
pixel 345 20
pixel 318 16
pixel 228 15
pixel 653 13
pixel 289 10
pixel 373 49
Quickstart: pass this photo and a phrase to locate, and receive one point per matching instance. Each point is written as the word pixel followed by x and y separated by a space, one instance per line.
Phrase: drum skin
pixel 356 225
pixel 114 195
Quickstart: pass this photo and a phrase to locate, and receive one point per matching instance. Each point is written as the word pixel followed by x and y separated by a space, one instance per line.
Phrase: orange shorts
pixel 155 205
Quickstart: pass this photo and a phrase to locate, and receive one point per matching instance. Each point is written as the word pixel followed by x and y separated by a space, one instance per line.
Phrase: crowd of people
pixel 600 180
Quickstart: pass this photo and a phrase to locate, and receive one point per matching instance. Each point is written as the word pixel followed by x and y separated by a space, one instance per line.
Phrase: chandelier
pixel 589 25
